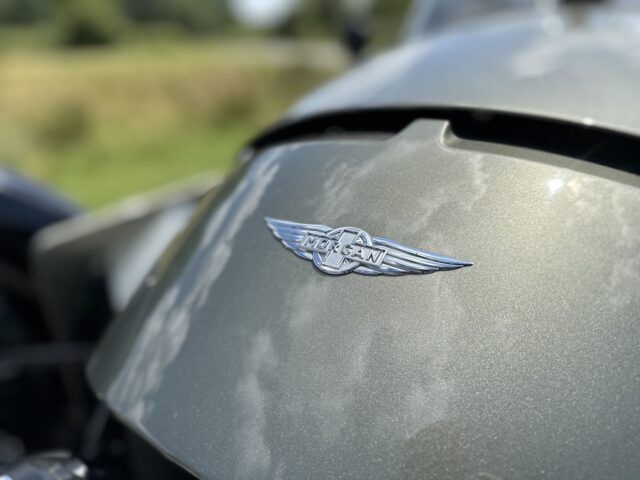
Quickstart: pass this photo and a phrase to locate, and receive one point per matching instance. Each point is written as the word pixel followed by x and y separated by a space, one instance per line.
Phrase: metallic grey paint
pixel 240 362
pixel 580 68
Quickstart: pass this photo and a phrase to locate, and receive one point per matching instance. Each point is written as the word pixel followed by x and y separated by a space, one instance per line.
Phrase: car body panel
pixel 581 67
pixel 240 360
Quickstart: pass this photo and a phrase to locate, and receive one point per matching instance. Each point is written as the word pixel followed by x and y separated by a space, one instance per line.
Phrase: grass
pixel 102 124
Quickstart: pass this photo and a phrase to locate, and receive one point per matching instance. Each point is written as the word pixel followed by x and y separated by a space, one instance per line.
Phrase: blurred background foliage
pixel 106 98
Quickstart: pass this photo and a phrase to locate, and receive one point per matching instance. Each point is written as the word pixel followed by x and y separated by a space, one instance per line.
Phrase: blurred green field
pixel 103 123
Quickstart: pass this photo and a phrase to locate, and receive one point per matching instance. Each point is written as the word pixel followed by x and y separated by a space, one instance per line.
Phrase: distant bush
pixel 197 16
pixel 194 16
pixel 90 22
pixel 25 11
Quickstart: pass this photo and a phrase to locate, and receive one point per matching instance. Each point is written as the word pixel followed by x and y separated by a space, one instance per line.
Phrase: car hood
pixel 239 359
pixel 582 67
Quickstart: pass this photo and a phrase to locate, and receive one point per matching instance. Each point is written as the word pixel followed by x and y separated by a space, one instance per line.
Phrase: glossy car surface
pixel 239 360
pixel 578 67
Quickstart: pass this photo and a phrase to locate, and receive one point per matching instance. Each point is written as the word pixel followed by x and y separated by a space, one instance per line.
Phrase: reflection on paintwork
pixel 254 456
pixel 163 335
pixel 251 366
pixel 553 24
pixel 554 185
pixel 546 57
pixel 537 66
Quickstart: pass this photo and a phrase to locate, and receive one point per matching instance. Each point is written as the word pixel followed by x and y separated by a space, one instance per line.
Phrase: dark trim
pixel 589 143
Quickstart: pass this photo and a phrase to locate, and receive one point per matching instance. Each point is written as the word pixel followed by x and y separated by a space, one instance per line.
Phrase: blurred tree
pixel 393 7
pixel 25 11
pixel 198 15
pixel 143 10
pixel 388 17
pixel 89 22
pixel 195 16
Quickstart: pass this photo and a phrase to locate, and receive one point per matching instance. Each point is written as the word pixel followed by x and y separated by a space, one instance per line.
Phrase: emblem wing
pixel 292 233
pixel 402 259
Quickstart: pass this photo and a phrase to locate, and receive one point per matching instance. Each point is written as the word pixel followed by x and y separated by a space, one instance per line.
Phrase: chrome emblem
pixel 337 251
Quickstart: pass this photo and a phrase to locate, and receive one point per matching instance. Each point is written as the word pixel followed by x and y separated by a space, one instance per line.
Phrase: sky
pixel 262 13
